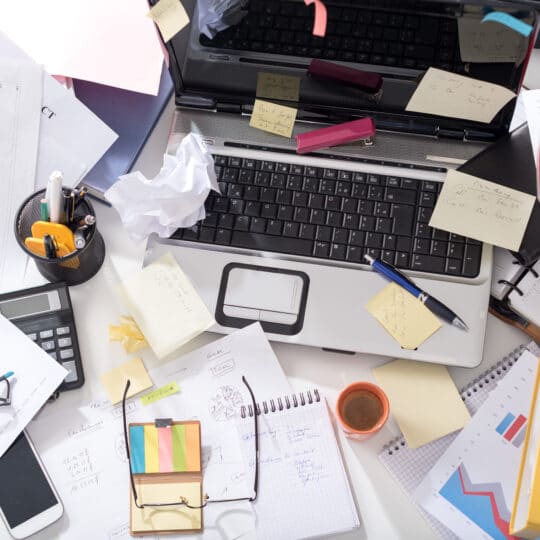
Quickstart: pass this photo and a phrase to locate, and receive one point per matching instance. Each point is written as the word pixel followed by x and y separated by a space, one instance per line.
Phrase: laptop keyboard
pixel 330 214
pixel 354 34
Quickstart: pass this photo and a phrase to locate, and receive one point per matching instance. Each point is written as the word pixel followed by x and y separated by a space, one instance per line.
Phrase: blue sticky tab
pixel 507 420
pixel 136 447
pixel 510 21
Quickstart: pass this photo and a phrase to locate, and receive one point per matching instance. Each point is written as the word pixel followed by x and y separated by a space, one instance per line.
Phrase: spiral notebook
pixel 409 467
pixel 303 487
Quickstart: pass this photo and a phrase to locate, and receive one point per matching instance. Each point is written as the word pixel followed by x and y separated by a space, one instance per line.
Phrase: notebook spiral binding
pixel 492 374
pixel 279 404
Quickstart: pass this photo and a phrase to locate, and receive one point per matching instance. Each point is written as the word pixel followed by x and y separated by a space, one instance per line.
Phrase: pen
pixel 7 375
pixel 436 307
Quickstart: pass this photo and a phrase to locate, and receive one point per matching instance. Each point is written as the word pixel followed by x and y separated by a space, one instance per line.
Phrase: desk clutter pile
pixel 214 443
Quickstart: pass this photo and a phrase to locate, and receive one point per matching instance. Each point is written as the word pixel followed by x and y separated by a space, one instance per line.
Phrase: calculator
pixel 45 315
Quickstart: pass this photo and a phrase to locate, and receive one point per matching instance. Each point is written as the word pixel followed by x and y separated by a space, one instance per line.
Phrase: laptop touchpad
pixel 275 297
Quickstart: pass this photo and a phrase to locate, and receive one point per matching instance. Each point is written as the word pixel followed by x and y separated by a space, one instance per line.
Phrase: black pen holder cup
pixel 74 268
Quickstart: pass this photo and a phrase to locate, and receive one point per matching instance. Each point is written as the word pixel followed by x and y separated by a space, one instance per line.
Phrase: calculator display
pixel 28 305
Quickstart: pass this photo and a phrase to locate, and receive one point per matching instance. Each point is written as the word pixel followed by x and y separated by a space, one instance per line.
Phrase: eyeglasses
pixel 182 500
pixel 5 394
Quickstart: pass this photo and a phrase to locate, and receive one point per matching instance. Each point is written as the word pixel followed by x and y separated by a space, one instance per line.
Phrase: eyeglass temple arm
pixel 124 397
pixel 256 476
pixel 8 393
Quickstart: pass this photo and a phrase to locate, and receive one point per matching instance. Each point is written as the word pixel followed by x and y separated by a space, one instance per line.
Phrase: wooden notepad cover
pixel 159 484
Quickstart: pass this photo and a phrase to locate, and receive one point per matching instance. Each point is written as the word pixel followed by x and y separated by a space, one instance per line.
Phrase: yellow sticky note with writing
pixel 170 16
pixel 160 393
pixel 273 118
pixel 276 86
pixel 403 316
pixel 166 518
pixel 423 399
pixel 114 380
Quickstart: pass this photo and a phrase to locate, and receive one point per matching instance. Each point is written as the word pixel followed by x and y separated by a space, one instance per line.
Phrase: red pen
pixel 362 130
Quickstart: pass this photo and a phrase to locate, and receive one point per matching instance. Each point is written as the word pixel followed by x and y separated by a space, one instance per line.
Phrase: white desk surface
pixel 386 512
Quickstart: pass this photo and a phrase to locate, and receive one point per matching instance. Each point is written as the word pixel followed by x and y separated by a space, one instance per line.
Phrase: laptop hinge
pixel 457 134
pixel 229 108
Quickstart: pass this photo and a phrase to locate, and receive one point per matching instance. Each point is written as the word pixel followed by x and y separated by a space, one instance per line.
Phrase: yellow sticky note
pixel 129 334
pixel 276 86
pixel 166 518
pixel 403 316
pixel 114 380
pixel 273 118
pixel 170 16
pixel 423 399
pixel 448 94
pixel 160 393
pixel 483 210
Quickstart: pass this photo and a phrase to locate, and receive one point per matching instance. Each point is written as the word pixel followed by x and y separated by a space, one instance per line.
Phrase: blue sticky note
pixel 509 20
pixel 136 447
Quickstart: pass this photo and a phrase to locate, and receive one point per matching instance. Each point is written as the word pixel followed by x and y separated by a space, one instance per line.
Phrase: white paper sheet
pixel 20 100
pixel 172 199
pixel 72 138
pixel 36 377
pixel 83 449
pixel 531 101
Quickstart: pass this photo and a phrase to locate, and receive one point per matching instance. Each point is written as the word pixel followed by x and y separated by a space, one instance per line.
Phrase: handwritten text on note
pixel 403 316
pixel 170 16
pixel 276 86
pixel 273 118
pixel 448 94
pixel 483 210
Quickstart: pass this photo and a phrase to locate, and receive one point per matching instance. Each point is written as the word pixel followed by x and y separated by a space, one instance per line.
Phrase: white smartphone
pixel 28 500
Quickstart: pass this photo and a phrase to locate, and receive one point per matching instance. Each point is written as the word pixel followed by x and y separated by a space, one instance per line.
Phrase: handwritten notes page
pixel 276 86
pixel 170 16
pixel 423 399
pixel 403 316
pixel 166 306
pixel 273 118
pixel 489 43
pixel 303 485
pixel 448 94
pixel 82 446
pixel 483 210
pixel 115 380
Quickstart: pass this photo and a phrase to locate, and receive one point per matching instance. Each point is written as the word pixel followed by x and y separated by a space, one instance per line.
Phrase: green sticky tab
pixel 179 447
pixel 160 393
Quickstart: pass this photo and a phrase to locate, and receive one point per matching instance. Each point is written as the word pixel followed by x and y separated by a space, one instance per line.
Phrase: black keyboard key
pixel 359 177
pixel 220 160
pixel 366 207
pixel 285 212
pixel 383 225
pixel 291 229
pixel 471 260
pixel 423 230
pixel 252 208
pixel 258 225
pixel 374 240
pixel 403 218
pixel 393 181
pixel 351 221
pixel 396 195
pixel 316 201
pixel 278 180
pixel 294 181
pixel 403 243
pixel 376 193
pixel 282 168
pixel 229 174
pixel 251 193
pixel 321 249
pixel 457 238
pixel 338 251
pixel 343 188
pixel 382 210
pixel 223 236
pixel 235 190
pixel 268 166
pixel 300 198
pixel 262 178
pixel 318 217
pixel 284 196
pixel 211 219
pixel 328 187
pixel 246 176
pixel 438 248
pixel 345 175
pixel 226 221
pixel 251 164
pixel 307 231
pixel 421 245
pixel 221 204
pixel 349 205
pixel 373 252
pixel 354 254
pixel 428 199
pixel 357 238
pixel 241 223
pixel 297 169
pixel 439 235
pixel 424 214
pixel 301 214
pixel 428 263
pixel 311 185
pixel 388 256
pixel 235 161
pixel 333 203
pixel 191 233
pixel 402 259
pixel 269 210
pixel 207 234
pixel 367 223
pixel 280 244
pixel 334 219
pixel 429 186
pixel 390 241
pixel 324 234
pixel 313 171
pixel 359 191
pixel 374 180
pixel 236 206
pixel 409 183
pixel 274 226
pixel 329 174
pixel 340 236
pixel 453 267
pixel 268 195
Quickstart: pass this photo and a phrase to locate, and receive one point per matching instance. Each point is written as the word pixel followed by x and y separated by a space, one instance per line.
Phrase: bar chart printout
pixel 471 488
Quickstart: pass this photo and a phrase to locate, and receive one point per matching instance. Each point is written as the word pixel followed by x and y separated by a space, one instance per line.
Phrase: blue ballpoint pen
pixel 438 308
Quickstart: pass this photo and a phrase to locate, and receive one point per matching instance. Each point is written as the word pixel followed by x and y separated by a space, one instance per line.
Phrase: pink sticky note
pixel 165 452
pixel 103 41
pixel 321 16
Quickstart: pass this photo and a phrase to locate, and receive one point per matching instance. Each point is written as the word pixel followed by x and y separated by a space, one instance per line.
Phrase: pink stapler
pixel 369 83
pixel 362 131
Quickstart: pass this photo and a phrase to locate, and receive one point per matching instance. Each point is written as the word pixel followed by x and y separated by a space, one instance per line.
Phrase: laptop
pixel 284 242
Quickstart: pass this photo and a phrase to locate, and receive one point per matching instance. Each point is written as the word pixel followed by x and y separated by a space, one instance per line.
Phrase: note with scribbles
pixel 277 86
pixel 273 118
pixel 403 316
pixel 165 305
pixel 482 210
pixel 170 16
pixel 489 43
pixel 449 94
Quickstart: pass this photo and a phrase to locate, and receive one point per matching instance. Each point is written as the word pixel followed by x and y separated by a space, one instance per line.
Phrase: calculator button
pixel 62 331
pixel 66 353
pixel 33 336
pixel 46 334
pixel 64 342
pixel 72 375
pixel 47 345
pixel 53 355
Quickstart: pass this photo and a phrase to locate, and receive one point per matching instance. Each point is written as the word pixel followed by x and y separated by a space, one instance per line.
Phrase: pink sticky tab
pixel 321 16
pixel 357 130
pixel 165 451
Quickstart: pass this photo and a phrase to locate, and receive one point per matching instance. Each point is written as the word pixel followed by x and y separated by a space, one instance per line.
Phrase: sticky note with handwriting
pixel 160 393
pixel 403 316
pixel 449 94
pixel 170 16
pixel 482 210
pixel 424 400
pixel 276 86
pixel 273 118
pixel 114 380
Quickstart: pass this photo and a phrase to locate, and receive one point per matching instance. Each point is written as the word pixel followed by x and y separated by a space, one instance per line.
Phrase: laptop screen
pixel 218 60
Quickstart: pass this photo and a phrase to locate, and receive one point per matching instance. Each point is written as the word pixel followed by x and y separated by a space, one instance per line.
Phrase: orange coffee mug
pixel 362 409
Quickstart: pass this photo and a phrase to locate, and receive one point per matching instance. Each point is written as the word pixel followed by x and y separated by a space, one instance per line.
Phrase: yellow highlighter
pixel 61 233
